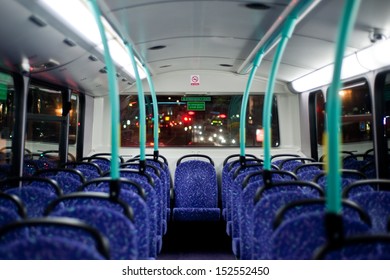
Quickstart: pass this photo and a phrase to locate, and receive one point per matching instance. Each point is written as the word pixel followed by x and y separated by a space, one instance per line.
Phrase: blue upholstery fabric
pixel 153 201
pixel 5 170
pixel 196 214
pixel 29 233
pixel 114 225
pixel 146 238
pixel 225 192
pixel 306 168
pixel 239 202
pixel 353 163
pixel 160 192
pixel 259 224
pixel 35 199
pixel 67 184
pixel 287 188
pixel 297 239
pixel 104 164
pixel 319 207
pixel 196 187
pixel 7 216
pixel 291 165
pixel 233 184
pixel 12 203
pixel 225 181
pixel 345 181
pixel 309 175
pixel 88 169
pixel 165 180
pixel 48 248
pixel 372 251
pixel 377 205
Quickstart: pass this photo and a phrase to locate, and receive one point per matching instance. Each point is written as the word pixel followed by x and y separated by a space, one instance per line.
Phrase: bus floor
pixel 196 241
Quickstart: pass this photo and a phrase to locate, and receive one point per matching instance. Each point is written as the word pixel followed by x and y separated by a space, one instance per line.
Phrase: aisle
pixel 196 241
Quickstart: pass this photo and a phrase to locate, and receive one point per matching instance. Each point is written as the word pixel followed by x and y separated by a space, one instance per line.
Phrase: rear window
pixel 197 120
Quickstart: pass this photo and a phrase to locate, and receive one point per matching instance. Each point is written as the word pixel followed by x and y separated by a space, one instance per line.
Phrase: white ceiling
pixel 198 35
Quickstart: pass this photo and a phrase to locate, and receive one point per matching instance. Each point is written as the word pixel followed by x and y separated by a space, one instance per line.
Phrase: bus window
pixel 73 123
pixel 197 121
pixel 356 117
pixel 382 100
pixel 356 114
pixel 44 118
pixel 6 112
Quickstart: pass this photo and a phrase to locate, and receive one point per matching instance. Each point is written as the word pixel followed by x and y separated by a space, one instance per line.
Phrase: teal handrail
pixel 333 109
pixel 113 93
pixel 244 103
pixel 141 102
pixel 287 31
pixel 155 111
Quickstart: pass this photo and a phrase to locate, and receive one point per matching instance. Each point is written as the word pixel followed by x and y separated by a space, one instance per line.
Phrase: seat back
pixel 298 239
pixel 52 239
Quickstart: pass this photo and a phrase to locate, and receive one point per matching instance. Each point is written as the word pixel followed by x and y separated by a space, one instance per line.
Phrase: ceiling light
pixel 159 47
pixel 77 16
pixel 376 56
pixel 323 76
pixel 69 42
pixel 38 21
pixel 257 6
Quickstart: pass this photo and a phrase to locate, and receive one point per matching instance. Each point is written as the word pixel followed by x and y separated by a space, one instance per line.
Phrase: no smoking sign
pixel 195 80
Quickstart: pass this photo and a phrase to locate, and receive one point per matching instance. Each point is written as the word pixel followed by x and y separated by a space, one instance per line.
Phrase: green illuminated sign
pixel 196 98
pixel 3 92
pixel 196 106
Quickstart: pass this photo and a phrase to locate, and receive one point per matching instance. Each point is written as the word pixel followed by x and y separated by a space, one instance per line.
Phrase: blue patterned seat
pixel 154 173
pixel 106 202
pixel 298 239
pixel 119 230
pixel 52 239
pixel 377 205
pixel 153 201
pixel 350 210
pixel 196 191
pixel 234 184
pixel 309 171
pixel 259 225
pixel 129 193
pixel 348 177
pixel 291 164
pixel 89 170
pixel 7 216
pixel 243 204
pixel 353 162
pixel 362 247
pixel 48 248
pixel 13 203
pixel 68 179
pixel 228 164
pixel 166 181
pixel 35 199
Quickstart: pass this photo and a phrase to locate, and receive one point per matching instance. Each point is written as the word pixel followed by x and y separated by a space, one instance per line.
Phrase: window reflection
pixel 196 121
pixel 356 113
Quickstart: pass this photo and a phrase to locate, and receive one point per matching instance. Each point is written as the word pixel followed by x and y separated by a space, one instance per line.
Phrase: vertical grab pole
pixel 142 109
pixel 113 93
pixel 244 104
pixel 155 113
pixel 333 108
pixel 288 29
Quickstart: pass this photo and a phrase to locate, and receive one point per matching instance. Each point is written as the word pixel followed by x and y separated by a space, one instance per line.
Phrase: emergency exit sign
pixel 196 106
